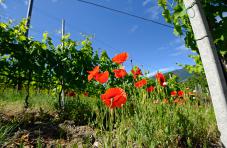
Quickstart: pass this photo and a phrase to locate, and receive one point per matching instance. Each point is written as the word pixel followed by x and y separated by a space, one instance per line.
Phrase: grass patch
pixel 12 101
pixel 5 131
pixel 162 125
pixel 141 122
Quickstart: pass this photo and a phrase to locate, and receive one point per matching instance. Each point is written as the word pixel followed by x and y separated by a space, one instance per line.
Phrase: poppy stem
pixel 111 119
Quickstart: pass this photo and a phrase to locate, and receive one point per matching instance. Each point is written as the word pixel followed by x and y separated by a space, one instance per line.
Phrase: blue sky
pixel 150 46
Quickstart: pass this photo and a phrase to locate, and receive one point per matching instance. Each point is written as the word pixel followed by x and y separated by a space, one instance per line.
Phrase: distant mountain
pixel 182 74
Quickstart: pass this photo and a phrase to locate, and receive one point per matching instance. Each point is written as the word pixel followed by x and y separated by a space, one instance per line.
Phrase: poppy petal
pixel 120 73
pixel 114 97
pixel 180 93
pixel 136 72
pixel 102 77
pixel 150 89
pixel 161 78
pixel 173 93
pixel 140 83
pixel 93 73
pixel 120 58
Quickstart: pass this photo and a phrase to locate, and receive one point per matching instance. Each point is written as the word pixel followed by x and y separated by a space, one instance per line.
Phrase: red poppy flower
pixel 150 89
pixel 93 73
pixel 120 73
pixel 114 97
pixel 161 78
pixel 86 94
pixel 102 77
pixel 180 93
pixel 141 83
pixel 136 72
pixel 120 58
pixel 70 93
pixel 173 93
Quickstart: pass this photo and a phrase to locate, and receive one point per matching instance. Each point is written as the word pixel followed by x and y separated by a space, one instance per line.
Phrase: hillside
pixel 182 74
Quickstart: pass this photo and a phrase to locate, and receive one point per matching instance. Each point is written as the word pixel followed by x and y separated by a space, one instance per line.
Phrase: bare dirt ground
pixel 39 129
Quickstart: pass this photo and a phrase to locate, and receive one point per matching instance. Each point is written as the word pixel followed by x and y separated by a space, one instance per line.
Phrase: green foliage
pixel 175 14
pixel 43 65
pixel 197 79
pixel 78 110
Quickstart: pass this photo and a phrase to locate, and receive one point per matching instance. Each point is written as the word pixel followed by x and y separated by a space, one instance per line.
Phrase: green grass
pixel 144 123
pixel 138 123
pixel 5 131
pixel 13 101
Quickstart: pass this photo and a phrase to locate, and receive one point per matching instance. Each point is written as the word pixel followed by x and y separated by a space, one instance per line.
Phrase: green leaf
pixel 66 36
pixel 223 53
pixel 162 3
pixel 167 16
pixel 45 36
pixel 44 46
pixel 3 25
pixel 22 38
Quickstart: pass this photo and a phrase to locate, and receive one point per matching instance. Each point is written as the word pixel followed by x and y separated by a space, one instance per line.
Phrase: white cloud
pixel 176 53
pixel 179 50
pixel 166 69
pixel 172 44
pixel 177 41
pixel 134 28
pixel 163 70
pixel 4 6
pixel 182 48
pixel 162 48
pixel 177 47
pixel 26 2
pixel 145 2
pixel 129 7
pixel 154 12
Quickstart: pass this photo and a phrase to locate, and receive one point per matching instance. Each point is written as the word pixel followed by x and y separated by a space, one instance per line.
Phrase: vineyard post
pixel 29 14
pixel 63 88
pixel 212 66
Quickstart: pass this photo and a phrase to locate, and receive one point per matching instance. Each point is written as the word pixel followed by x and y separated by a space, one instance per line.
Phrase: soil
pixel 39 129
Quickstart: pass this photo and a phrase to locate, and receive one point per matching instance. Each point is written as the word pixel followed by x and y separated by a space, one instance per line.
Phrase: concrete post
pixel 211 64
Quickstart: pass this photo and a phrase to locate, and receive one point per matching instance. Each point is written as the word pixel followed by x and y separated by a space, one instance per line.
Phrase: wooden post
pixel 212 66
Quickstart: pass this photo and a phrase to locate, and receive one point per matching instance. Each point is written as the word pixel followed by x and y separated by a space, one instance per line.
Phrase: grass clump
pixel 164 125
pixel 6 131
pixel 142 121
